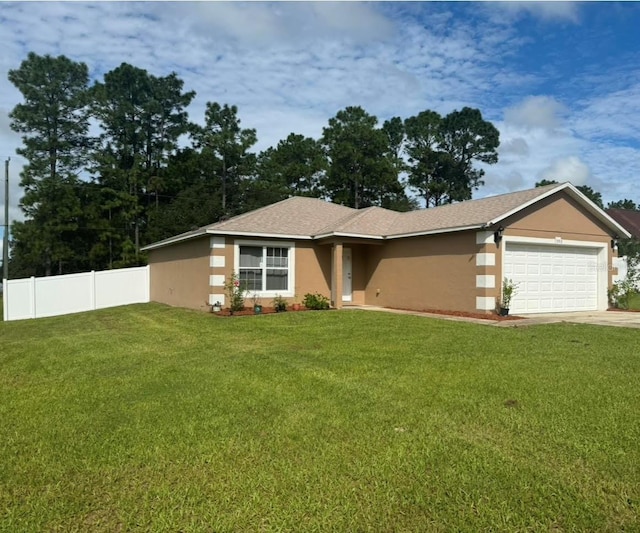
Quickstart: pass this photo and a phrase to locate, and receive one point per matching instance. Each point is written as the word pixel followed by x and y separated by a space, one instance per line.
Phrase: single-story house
pixel 552 241
pixel 628 219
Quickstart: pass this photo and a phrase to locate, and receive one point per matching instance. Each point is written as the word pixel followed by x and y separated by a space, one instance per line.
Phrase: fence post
pixel 5 300
pixel 34 314
pixel 147 296
pixel 93 290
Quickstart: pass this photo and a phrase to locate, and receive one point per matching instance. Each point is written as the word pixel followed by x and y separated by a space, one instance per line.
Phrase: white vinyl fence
pixel 621 264
pixel 74 293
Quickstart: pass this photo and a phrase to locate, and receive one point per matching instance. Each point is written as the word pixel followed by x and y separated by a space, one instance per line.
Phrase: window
pixel 266 268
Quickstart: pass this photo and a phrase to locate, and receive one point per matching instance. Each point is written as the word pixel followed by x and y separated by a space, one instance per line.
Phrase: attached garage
pixel 556 277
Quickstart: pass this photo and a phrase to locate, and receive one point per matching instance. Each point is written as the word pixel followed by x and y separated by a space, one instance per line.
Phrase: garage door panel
pixel 546 304
pixel 552 278
pixel 533 270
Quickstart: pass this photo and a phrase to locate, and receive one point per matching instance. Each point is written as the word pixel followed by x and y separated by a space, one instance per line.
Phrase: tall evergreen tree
pixel 224 147
pixel 361 173
pixel 54 122
pixel 293 168
pixel 395 134
pixel 142 117
pixel 426 162
pixel 443 151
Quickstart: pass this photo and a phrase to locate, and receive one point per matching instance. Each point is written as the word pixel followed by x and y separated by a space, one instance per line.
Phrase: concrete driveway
pixel 620 319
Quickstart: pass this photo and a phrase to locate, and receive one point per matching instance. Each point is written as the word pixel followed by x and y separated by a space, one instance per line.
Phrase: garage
pixel 553 278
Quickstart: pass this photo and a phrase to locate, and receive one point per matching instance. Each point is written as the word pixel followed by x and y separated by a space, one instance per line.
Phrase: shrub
pixel 509 289
pixel 315 301
pixel 236 291
pixel 279 303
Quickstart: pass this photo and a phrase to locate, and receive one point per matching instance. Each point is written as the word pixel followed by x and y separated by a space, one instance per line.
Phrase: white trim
pixel 217 243
pixel 485 303
pixel 291 282
pixel 602 266
pixel 553 242
pixel 484 237
pixel 258 235
pixel 216 280
pixel 485 259
pixel 213 298
pixel 485 281
pixel 586 202
pixel 347 297
pixel 528 203
pixel 216 261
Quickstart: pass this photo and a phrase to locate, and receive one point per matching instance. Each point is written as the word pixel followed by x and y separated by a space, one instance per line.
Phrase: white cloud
pixel 265 24
pixel 567 169
pixel 545 10
pixel 611 114
pixel 517 146
pixel 542 112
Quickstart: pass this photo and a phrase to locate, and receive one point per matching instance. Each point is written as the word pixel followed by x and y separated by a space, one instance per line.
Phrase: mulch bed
pixel 248 311
pixel 464 314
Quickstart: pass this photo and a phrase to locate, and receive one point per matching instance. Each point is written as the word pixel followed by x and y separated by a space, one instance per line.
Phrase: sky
pixel 560 81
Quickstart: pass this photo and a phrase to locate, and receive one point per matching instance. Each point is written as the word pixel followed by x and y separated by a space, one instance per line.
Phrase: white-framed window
pixel 266 268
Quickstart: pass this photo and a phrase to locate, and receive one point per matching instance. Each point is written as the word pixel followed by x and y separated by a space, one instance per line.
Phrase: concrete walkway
pixel 601 318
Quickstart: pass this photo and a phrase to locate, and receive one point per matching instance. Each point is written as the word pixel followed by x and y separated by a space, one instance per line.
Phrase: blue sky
pixel 561 81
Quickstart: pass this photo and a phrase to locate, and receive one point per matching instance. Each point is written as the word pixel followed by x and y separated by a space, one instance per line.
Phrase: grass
pixel 158 419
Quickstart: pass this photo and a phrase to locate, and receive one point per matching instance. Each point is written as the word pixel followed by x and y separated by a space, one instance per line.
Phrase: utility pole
pixel 5 242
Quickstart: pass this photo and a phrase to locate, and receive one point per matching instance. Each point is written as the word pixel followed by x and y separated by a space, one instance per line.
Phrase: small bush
pixel 279 304
pixel 236 291
pixel 315 301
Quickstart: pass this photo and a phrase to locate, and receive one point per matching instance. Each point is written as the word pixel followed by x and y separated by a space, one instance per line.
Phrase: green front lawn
pixel 158 419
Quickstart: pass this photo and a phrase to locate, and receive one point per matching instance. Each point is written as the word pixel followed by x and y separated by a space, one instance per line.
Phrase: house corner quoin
pixel 487 280
pixel 218 267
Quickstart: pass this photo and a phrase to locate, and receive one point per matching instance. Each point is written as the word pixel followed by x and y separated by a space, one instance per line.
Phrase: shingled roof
pixel 310 218
pixel 628 219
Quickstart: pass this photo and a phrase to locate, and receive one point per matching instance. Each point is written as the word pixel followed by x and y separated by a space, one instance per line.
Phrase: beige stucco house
pixel 553 241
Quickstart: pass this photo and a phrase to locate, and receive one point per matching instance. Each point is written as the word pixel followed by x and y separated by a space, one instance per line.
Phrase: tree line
pixel 116 164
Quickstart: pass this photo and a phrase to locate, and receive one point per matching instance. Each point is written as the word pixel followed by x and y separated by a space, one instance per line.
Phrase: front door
pixel 346 274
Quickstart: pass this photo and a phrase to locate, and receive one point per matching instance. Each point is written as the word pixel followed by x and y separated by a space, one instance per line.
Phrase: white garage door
pixel 552 278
